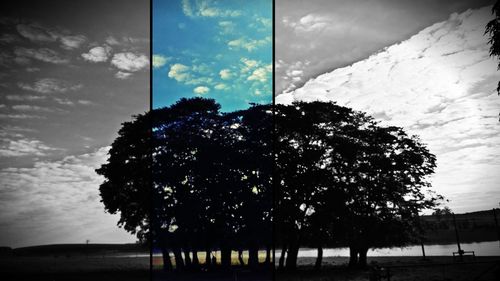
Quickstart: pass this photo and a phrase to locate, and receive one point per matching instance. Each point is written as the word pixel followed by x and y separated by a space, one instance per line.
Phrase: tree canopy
pixel 194 179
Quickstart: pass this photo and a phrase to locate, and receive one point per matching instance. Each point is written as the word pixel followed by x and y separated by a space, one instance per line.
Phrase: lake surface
pixel 480 249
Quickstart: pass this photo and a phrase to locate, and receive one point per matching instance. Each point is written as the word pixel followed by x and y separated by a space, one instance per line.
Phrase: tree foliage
pixel 317 173
pixel 493 30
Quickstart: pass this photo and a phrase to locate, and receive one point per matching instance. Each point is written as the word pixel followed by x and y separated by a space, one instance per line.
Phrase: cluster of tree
pixel 189 178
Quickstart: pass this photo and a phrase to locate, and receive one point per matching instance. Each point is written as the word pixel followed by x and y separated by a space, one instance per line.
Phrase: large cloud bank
pixel 439 84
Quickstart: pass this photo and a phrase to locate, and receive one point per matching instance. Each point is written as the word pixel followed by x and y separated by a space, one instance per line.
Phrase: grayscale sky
pixel 438 81
pixel 316 36
pixel 71 73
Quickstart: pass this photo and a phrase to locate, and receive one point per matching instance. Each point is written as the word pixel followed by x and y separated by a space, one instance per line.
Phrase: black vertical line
pixel 151 214
pixel 273 147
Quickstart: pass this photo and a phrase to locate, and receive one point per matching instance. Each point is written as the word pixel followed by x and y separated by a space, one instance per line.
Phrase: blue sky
pixel 214 49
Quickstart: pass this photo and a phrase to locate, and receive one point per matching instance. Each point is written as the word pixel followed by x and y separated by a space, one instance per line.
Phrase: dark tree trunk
pixel 179 262
pixel 196 260
pixel 281 263
pixel 253 256
pixel 319 259
pixel 225 257
pixel 240 257
pixel 362 257
pixel 187 259
pixel 208 258
pixel 291 259
pixel 167 263
pixel 268 255
pixel 353 256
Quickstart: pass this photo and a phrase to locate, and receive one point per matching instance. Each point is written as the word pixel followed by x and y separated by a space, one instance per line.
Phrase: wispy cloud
pixel 50 85
pixel 248 44
pixel 36 32
pixel 60 199
pixel 41 54
pixel 207 8
pixel 23 147
pixel 43 34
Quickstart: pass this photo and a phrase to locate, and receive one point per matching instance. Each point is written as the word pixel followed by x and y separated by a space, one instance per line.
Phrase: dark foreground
pixel 137 268
pixel 400 269
pixel 74 268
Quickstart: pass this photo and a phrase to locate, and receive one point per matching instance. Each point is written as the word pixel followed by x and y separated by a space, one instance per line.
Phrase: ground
pixel 137 268
pixel 400 268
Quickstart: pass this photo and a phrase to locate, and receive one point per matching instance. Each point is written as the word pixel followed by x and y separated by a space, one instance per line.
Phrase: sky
pixel 317 36
pixel 439 84
pixel 213 49
pixel 71 73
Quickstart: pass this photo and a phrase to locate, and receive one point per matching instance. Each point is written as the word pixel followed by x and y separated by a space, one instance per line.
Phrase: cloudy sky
pixel 438 83
pixel 71 73
pixel 313 37
pixel 214 49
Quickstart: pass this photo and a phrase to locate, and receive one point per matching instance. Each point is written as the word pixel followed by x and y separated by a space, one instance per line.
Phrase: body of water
pixel 480 249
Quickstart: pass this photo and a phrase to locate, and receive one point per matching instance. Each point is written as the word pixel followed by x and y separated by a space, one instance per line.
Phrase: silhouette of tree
pixel 387 187
pixel 343 178
pixel 208 179
pixel 127 186
pixel 493 30
pixel 308 199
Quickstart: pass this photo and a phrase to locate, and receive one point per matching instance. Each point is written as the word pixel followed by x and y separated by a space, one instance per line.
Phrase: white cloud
pixel 20 116
pixel 159 60
pixel 130 62
pixel 308 23
pixel 23 147
pixel 122 75
pixel 179 72
pixel 206 8
pixel 292 74
pixel 32 108
pixel 227 27
pixel 24 97
pixel 261 74
pixel 63 101
pixel 201 90
pixel 248 64
pixel 186 8
pixel 98 54
pixel 248 44
pixel 191 75
pixel 439 84
pixel 225 74
pixel 221 86
pixel 49 85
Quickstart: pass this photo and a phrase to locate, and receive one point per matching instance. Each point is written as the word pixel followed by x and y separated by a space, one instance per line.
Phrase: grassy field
pixel 78 268
pixel 74 268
